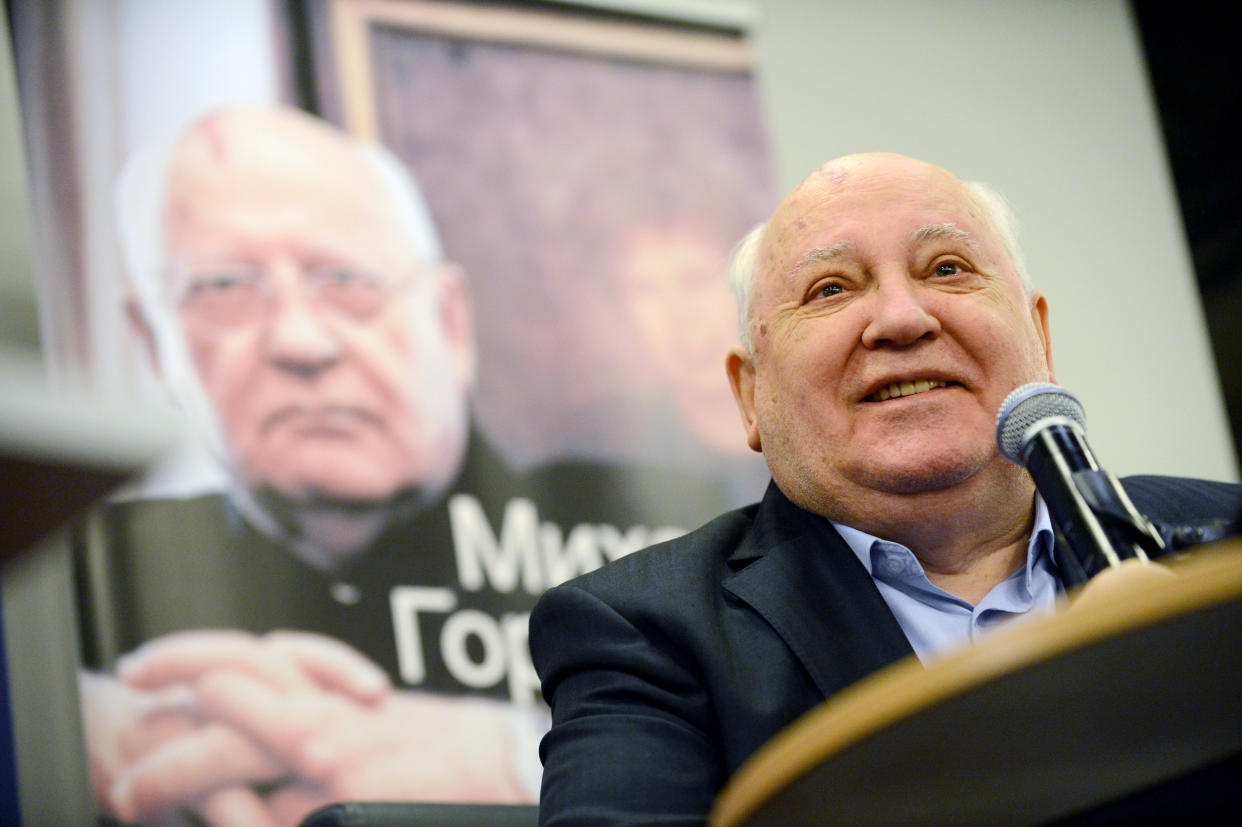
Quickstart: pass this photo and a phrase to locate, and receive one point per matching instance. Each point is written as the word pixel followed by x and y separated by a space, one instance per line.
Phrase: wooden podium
pixel 1130 690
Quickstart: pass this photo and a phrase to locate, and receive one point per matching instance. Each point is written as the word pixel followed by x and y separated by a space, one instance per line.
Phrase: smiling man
pixel 889 272
pixel 884 317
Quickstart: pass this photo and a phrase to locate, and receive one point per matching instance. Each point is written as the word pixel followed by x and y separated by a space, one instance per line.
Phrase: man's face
pixel 883 274
pixel 336 364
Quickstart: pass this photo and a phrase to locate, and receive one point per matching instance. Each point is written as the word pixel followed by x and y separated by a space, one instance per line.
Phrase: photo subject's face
pixel 316 336
pixel 889 326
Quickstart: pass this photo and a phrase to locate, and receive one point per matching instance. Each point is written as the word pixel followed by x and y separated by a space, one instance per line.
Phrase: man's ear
pixel 457 321
pixel 741 369
pixel 1039 315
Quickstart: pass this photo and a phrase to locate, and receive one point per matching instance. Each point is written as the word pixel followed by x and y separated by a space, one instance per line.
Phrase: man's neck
pixel 322 534
pixel 971 576
pixel 968 538
pixel 325 537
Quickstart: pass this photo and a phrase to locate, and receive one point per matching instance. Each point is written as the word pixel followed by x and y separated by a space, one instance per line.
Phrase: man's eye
pixel 948 268
pixel 828 290
pixel 215 282
pixel 335 275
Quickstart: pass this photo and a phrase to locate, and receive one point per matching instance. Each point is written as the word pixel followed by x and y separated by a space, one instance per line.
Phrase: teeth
pixel 905 389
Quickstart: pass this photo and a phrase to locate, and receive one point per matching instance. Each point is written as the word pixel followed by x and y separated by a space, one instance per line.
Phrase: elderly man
pixel 289 285
pixel 293 295
pixel 884 318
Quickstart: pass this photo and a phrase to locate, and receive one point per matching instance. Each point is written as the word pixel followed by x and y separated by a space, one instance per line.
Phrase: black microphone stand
pixel 1093 512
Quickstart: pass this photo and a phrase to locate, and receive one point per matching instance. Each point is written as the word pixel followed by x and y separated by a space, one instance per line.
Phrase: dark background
pixel 1195 71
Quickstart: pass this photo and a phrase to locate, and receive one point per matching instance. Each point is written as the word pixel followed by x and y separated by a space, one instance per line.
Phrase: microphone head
pixel 1029 404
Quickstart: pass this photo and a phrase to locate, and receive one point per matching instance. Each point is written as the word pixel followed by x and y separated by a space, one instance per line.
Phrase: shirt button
pixel 345 593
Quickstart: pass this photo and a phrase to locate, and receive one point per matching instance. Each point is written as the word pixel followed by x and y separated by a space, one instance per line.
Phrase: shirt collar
pixel 1038 548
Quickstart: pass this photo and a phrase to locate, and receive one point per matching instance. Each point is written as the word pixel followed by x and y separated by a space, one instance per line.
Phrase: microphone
pixel 1043 427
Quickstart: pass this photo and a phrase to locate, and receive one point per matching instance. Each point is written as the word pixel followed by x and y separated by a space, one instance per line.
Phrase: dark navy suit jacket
pixel 666 669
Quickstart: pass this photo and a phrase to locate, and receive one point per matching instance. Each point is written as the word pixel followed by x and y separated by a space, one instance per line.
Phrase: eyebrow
pixel 821 254
pixel 931 232
pixel 842 249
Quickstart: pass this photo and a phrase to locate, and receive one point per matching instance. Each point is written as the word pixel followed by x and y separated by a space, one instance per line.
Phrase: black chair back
pixel 404 814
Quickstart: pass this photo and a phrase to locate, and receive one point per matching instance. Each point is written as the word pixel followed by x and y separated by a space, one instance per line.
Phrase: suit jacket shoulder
pixel 1214 507
pixel 698 650
pixel 666 669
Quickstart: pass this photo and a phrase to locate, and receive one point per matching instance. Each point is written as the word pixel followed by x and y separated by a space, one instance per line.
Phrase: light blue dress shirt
pixel 934 620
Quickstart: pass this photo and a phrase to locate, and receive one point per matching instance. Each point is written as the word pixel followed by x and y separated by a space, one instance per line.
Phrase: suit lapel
pixel 800 576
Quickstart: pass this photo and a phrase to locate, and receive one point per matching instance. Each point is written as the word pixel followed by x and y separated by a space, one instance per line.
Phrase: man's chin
pixel 328 497
pixel 929 475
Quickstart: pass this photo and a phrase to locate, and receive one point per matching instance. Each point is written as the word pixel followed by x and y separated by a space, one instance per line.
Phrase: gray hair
pixel 744 261
pixel 408 203
pixel 1000 215
pixel 743 267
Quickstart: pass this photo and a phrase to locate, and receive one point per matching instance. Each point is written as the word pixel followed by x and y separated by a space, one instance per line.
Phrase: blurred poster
pixel 440 291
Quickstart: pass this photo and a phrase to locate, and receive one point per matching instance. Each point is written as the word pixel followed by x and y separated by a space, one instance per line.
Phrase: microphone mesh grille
pixel 1026 406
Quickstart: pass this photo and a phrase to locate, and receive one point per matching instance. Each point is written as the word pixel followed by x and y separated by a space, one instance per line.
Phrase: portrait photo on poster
pixel 436 362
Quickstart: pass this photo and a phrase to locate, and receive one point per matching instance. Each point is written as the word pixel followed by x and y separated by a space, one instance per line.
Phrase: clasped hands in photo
pixel 253 730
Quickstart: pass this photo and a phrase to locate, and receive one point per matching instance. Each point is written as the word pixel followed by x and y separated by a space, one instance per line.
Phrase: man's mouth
pixel 896 389
pixel 321 417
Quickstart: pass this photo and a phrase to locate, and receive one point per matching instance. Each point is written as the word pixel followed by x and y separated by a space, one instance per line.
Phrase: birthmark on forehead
pixel 211 132
pixel 835 171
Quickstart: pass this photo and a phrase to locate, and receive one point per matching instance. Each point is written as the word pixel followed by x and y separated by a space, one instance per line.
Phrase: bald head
pixel 260 161
pixel 264 137
pixel 871 171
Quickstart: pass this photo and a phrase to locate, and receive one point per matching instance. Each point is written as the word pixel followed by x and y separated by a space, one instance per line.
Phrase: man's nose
pixel 300 339
pixel 899 314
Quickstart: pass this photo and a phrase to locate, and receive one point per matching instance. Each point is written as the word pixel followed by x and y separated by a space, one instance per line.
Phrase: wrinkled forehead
pixel 849 199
